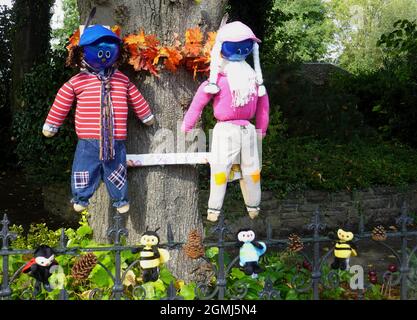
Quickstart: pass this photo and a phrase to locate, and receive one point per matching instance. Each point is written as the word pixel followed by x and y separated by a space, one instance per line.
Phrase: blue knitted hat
pixel 92 34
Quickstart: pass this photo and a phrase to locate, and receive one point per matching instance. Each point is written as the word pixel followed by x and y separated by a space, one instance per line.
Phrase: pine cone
pixel 379 234
pixel 294 243
pixel 83 266
pixel 194 247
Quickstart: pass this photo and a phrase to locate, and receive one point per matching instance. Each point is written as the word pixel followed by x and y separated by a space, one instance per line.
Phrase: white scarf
pixel 242 81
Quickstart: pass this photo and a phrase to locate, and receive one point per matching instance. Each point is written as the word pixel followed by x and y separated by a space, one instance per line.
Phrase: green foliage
pixel 291 164
pixel 6 26
pixel 284 269
pixel 37 234
pixel 71 23
pixel 387 96
pixel 297 31
pixel 360 24
pixel 44 160
pixel 309 102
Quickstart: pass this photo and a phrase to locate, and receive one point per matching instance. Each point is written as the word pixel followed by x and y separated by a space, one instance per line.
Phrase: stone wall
pixel 380 205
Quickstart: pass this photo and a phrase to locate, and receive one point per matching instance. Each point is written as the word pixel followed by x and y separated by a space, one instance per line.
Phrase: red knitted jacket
pixel 85 87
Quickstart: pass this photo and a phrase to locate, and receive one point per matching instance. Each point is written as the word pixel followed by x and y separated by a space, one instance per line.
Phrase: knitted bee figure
pixel 102 95
pixel 238 96
pixel 41 267
pixel 343 250
pixel 250 252
pixel 151 256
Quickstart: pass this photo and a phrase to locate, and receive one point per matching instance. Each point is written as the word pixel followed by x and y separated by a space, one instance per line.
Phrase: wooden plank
pixel 162 159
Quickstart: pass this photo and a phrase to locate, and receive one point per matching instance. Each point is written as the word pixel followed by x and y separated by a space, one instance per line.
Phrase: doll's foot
pixel 123 209
pixel 78 207
pixel 212 216
pixel 253 212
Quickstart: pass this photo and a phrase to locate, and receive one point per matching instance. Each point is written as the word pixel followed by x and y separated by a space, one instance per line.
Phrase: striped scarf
pixel 106 112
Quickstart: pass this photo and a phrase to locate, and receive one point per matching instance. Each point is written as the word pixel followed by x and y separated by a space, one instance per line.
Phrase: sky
pixel 57 18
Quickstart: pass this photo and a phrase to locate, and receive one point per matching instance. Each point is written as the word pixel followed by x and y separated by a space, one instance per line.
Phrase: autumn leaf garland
pixel 145 51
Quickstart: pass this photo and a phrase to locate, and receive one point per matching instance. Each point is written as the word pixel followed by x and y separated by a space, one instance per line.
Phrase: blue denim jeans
pixel 88 170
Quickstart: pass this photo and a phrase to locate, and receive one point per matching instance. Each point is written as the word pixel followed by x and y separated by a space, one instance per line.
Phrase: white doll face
pixel 44 262
pixel 246 236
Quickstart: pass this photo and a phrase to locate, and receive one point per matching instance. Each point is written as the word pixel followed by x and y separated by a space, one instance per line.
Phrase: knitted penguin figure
pixel 250 252
pixel 238 96
pixel 102 95
pixel 41 267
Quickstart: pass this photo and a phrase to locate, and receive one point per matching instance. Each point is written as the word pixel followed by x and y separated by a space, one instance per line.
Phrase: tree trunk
pixel 158 195
pixel 30 41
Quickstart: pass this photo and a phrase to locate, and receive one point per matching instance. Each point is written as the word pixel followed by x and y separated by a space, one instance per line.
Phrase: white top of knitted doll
pixel 235 31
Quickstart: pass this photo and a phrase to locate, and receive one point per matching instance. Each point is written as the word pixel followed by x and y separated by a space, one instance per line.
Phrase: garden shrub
pixel 280 268
pixel 44 160
pixel 387 97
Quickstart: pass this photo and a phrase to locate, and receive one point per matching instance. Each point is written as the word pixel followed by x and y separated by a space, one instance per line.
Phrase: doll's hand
pixel 48 134
pixel 211 88
pixel 49 130
pixel 150 122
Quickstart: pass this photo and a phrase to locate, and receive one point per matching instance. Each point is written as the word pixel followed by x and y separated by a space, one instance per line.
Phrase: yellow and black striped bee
pixel 343 250
pixel 150 255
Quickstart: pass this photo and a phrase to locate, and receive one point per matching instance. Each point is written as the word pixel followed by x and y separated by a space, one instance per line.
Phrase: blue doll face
pixel 101 54
pixel 237 51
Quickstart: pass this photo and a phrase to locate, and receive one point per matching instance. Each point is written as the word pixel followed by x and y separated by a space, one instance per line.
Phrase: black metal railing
pixel 405 278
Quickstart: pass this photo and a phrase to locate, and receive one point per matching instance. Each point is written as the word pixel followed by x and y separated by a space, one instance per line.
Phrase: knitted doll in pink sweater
pixel 238 96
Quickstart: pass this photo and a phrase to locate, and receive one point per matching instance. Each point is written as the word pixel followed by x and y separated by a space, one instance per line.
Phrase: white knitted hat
pixel 235 32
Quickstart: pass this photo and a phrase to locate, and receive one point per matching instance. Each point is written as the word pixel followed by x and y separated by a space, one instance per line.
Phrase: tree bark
pixel 30 41
pixel 158 195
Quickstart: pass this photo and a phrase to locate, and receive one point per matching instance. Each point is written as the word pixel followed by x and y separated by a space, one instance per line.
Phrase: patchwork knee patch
pixel 256 176
pixel 220 178
pixel 81 179
pixel 118 177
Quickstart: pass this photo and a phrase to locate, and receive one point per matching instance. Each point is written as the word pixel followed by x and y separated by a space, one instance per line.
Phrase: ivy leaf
pixel 212 252
pixel 166 276
pixel 84 230
pixel 100 277
pixel 188 291
pixel 237 273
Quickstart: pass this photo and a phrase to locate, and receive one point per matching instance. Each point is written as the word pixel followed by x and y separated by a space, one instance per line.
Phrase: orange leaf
pixel 117 30
pixel 151 41
pixel 211 39
pixel 74 39
pixel 193 39
pixel 137 39
pixel 173 58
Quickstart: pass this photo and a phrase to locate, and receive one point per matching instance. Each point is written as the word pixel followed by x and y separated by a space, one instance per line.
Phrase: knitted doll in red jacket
pixel 102 95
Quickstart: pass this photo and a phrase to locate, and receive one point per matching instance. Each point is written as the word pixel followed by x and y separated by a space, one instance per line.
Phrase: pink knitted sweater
pixel 223 109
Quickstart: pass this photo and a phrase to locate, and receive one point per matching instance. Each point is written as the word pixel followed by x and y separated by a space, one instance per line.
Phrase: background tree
pixel 70 23
pixel 297 31
pixel 159 195
pixel 253 13
pixel 360 23
pixel 6 25
pixel 30 41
